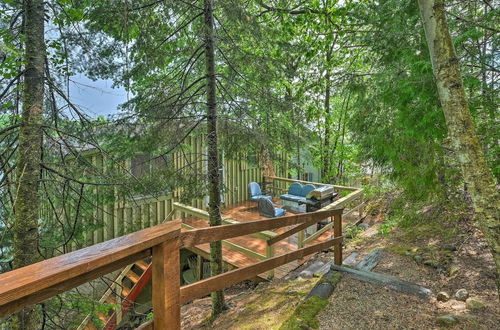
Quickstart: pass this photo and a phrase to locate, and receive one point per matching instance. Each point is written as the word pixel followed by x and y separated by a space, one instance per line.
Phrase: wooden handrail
pixel 340 203
pixel 202 214
pixel 211 284
pixel 33 284
pixel 237 247
pixel 209 234
pixel 37 282
pixel 298 228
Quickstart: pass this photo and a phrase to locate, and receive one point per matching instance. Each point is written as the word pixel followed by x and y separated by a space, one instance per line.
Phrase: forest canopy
pixel 354 89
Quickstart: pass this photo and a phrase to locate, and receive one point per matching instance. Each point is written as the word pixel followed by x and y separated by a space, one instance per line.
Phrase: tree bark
pixel 213 155
pixel 465 143
pixel 30 146
pixel 327 153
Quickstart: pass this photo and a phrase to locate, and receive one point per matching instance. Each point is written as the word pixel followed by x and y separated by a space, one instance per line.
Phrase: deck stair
pixel 238 252
pixel 122 293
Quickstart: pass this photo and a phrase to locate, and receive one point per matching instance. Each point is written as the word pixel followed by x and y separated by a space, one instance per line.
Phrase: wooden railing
pixel 264 235
pixel 354 199
pixel 35 283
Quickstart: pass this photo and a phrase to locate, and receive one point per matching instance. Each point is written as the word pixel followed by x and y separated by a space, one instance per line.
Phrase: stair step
pixel 131 275
pixel 125 291
pixel 142 265
pixel 103 317
pixel 111 299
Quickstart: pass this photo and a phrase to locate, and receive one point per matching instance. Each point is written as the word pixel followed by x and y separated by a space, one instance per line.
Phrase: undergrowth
pixel 304 316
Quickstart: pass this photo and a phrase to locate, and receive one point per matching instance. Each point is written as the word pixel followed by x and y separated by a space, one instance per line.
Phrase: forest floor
pixel 442 252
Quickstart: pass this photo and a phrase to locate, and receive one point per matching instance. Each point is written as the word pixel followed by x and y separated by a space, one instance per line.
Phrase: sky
pixel 96 98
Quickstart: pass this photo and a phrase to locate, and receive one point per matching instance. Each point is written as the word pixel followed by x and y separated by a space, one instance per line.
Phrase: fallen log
pixel 391 282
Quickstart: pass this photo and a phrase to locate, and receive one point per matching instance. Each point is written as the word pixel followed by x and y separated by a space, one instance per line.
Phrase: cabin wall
pixel 112 220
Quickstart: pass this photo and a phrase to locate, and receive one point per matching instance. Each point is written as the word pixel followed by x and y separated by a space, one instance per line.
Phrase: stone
pixel 312 269
pixel 461 295
pixel 363 226
pixel 453 270
pixel 447 320
pixel 442 296
pixel 450 248
pixel 431 263
pixel 323 270
pixel 351 261
pixel 474 304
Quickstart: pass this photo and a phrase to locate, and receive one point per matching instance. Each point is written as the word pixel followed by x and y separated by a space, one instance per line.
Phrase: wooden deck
pixel 243 212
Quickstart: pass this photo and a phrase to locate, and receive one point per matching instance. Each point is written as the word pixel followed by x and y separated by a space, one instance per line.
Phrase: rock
pixel 474 304
pixel 312 269
pixel 442 296
pixel 447 320
pixel 351 261
pixel 450 248
pixel 461 295
pixel 431 263
pixel 363 226
pixel 323 270
pixel 418 259
pixel 453 270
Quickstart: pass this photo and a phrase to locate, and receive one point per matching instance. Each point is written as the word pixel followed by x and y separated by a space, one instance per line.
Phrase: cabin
pixel 154 249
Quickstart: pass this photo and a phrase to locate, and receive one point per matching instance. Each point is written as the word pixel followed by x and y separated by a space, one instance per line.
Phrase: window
pixel 144 164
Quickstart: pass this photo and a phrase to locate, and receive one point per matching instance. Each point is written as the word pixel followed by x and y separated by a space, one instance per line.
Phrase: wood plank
pixel 337 232
pixel 318 233
pixel 204 287
pixel 391 282
pixel 234 246
pixel 210 234
pixel 265 234
pixel 340 203
pixel 166 284
pixel 191 210
pixel 25 281
pixel 370 261
pixel 14 305
pixel 130 298
pixel 357 207
pixel 294 230
pixel 243 250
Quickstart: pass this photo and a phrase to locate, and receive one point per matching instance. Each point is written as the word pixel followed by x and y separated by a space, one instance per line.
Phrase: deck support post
pixel 199 267
pixel 300 239
pixel 166 285
pixel 270 254
pixel 337 232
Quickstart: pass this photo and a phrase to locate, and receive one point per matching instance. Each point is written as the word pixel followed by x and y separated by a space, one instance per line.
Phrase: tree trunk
pixel 327 154
pixel 465 143
pixel 30 146
pixel 213 155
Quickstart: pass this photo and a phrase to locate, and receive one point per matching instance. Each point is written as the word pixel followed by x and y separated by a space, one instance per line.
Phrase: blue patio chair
pixel 267 209
pixel 255 193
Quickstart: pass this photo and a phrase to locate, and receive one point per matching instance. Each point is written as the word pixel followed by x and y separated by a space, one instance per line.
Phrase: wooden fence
pixel 35 283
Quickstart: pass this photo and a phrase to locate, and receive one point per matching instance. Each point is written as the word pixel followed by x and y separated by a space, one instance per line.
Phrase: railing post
pixel 166 285
pixel 337 231
pixel 269 254
pixel 300 239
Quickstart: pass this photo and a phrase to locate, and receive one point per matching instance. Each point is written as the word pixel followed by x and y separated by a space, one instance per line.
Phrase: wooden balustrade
pixel 35 283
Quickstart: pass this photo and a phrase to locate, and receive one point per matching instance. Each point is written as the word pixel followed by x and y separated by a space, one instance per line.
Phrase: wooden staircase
pixel 123 293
